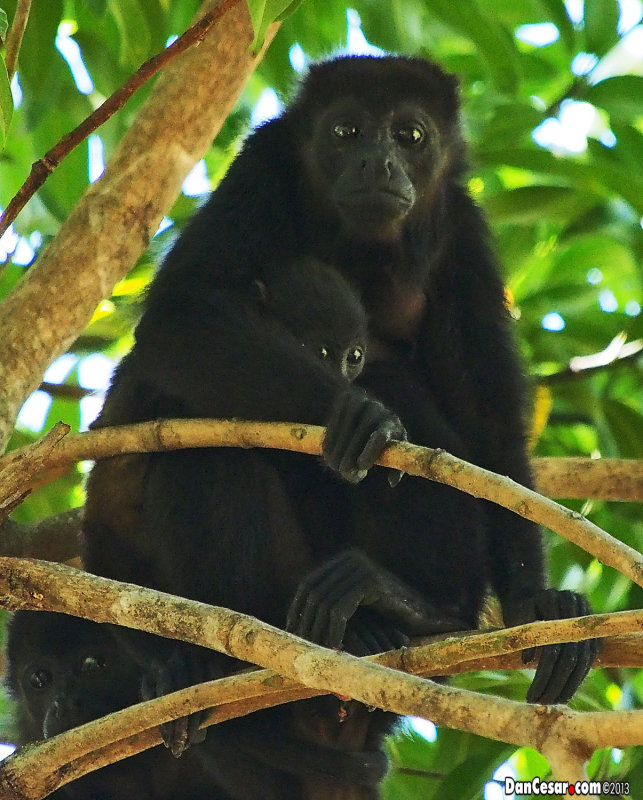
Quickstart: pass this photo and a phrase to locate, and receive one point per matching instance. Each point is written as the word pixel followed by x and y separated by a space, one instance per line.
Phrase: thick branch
pixel 42 169
pixel 45 586
pixel 433 464
pixel 116 217
pixel 258 690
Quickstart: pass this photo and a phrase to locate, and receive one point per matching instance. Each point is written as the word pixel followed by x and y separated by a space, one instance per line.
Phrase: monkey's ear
pixel 259 290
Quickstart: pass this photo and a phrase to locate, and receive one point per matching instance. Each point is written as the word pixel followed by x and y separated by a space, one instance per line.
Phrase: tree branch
pixel 115 219
pixel 20 467
pixel 437 465
pixel 597 478
pixel 40 585
pixel 55 538
pixel 42 169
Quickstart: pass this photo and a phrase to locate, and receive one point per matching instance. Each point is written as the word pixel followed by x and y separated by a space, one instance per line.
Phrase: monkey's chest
pixel 395 312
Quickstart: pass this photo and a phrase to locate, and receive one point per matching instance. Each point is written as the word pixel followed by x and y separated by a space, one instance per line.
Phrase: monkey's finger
pixel 386 431
pixel 341 425
pixel 367 440
pixel 584 656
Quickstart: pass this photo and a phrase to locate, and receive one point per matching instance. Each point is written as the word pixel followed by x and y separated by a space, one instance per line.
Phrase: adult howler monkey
pixel 62 672
pixel 363 171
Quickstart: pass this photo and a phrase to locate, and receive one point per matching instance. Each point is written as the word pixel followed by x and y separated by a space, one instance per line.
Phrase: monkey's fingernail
pixel 395 477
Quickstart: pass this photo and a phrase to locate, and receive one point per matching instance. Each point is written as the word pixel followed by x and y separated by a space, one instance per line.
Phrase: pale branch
pixel 590 478
pixel 42 169
pixel 14 37
pixel 27 584
pixel 19 469
pixel 437 465
pixel 113 222
pixel 254 691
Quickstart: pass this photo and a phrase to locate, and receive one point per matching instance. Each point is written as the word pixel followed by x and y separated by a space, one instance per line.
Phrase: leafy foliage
pixel 554 113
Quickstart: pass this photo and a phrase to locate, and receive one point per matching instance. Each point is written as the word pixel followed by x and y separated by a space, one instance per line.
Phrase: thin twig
pixel 570 373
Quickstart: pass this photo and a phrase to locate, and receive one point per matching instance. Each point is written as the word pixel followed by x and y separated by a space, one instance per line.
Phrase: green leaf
pixel 626 427
pixel 613 259
pixel 466 780
pixel 97 7
pixel 6 103
pixel 134 31
pixel 492 40
pixel 532 204
pixel 558 14
pixel 621 97
pixel 264 12
pixel 601 20
pixel 42 68
pixel 619 177
pixel 510 123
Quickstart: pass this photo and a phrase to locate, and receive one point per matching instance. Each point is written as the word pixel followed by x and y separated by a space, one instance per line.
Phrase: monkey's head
pixel 318 306
pixel 377 137
pixel 64 671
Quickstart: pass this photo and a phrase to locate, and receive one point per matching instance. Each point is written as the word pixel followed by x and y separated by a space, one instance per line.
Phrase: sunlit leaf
pixel 531 204
pixel 265 12
pixel 492 40
pixel 134 32
pixel 600 20
pixel 621 96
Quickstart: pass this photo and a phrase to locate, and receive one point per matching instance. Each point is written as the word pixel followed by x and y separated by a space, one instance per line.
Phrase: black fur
pixel 321 310
pixel 364 172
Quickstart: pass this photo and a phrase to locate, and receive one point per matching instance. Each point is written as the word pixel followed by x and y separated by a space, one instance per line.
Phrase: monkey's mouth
pixel 374 206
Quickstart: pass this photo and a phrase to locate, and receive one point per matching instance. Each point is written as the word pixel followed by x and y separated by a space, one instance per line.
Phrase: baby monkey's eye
pixel 345 130
pixel 40 679
pixel 355 356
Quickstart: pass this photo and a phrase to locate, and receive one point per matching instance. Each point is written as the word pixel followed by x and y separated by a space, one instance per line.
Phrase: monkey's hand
pixel 357 431
pixel 186 666
pixel 561 667
pixel 327 599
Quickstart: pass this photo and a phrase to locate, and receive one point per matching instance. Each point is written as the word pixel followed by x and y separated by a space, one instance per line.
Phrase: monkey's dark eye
pixel 40 679
pixel 409 135
pixel 323 352
pixel 92 664
pixel 345 130
pixel 355 357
